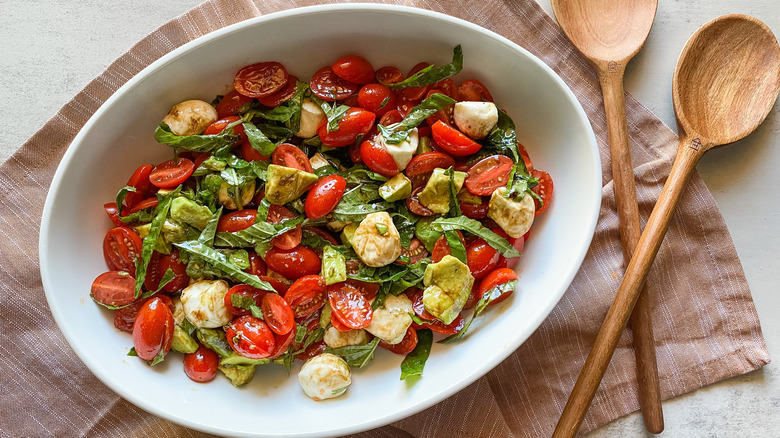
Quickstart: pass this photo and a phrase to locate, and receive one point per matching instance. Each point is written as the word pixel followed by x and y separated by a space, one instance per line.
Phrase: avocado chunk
pixel 238 374
pixel 448 285
pixel 285 184
pixel 189 212
pixel 466 197
pixel 182 342
pixel 347 233
pixel 397 188
pixel 436 194
pixel 161 245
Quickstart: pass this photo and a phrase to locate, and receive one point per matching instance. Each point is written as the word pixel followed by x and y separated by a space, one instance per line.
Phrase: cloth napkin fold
pixel 706 326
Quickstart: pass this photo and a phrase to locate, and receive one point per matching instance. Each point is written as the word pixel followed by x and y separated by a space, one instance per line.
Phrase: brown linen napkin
pixel 705 323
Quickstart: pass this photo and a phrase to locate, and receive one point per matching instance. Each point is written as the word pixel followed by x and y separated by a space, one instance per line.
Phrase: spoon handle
pixel 618 313
pixel 624 187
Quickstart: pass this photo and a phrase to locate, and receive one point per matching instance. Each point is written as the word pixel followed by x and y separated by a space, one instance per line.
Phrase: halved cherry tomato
pixel 517 242
pixel 488 174
pixel 481 258
pixel 124 317
pixel 421 166
pixel 237 220
pixel 231 103
pixel 251 154
pixel 290 239
pixel 121 248
pixel 282 342
pixel 277 314
pixel 142 205
pixel 201 366
pixel 473 298
pixel 328 86
pixel 368 290
pixel 114 288
pixel 220 125
pixel 389 75
pixel 244 290
pixel 287 91
pixel 376 98
pixel 256 265
pixel 313 350
pixel 292 156
pixel 171 173
pixel 415 93
pixel 475 211
pixel 526 158
pixel 493 279
pixel 378 159
pixel 544 189
pixel 261 79
pixel 439 327
pixel 474 91
pixel 349 305
pixel 337 324
pixel 159 264
pixel 355 122
pixel 441 248
pixel 143 187
pixel 113 214
pixel 415 252
pixel 250 337
pixel 415 295
pixel 406 345
pixel 453 141
pixel 278 285
pixel 306 295
pixel 446 114
pixel 390 117
pixel 324 196
pixel 354 68
pixel 153 329
pixel 414 205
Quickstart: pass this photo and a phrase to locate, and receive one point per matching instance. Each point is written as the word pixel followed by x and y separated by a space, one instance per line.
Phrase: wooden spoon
pixel 609 33
pixel 726 82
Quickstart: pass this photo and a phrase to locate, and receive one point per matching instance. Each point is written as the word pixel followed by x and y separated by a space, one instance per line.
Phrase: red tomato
pixel 292 156
pixel 517 242
pixel 153 329
pixel 473 90
pixel 526 158
pixel 349 305
pixel 441 248
pixel 282 342
pixel 389 75
pixel 453 141
pixel 390 117
pixel 279 287
pixel 143 205
pixel 220 125
pixel 328 86
pixel 474 211
pixel 201 366
pixel 314 349
pixel 405 346
pixel 124 317
pixel 287 91
pixel 113 214
pixel 324 196
pixel 243 290
pixel 481 258
pixel 446 87
pixel 159 264
pixel 307 295
pixel 415 295
pixel 237 220
pixel 473 297
pixel 354 68
pixel 489 174
pixel 415 93
pixel 121 248
pixel 544 190
pixel 231 103
pixel 140 181
pixel 251 154
pixel 376 98
pixel 421 166
pixel 114 288
pixel 414 205
pixel 256 265
pixel 278 314
pixel 261 79
pixel 250 337
pixel 355 122
pixel 378 159
pixel 290 239
pixel 439 327
pixel 368 290
pixel 337 324
pixel 170 173
pixel 415 252
pixel 324 234
pixel 493 279
pixel 354 153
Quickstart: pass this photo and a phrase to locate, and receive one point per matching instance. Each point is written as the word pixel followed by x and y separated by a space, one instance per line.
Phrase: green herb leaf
pixel 147 248
pixel 503 139
pixel 334 114
pixel 414 362
pixel 220 262
pixel 398 132
pixel 431 75
pixel 259 141
pixel 246 303
pixel 356 204
pixel 195 143
pixel 132 352
pixel 483 302
pixel 157 359
pixel 215 340
pixel 356 355
pixel 257 234
pixel 457 249
pixel 453 192
pixel 474 227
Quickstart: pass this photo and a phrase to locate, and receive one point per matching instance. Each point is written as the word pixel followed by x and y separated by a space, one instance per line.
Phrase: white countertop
pixel 52 48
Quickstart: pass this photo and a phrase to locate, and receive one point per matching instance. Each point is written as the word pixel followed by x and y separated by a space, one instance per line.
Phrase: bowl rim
pixel 46 221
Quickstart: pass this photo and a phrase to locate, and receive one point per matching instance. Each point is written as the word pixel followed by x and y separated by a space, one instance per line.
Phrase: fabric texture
pixel 706 326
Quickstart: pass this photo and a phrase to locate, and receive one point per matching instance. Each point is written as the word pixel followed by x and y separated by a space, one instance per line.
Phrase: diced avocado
pixel 334 267
pixel 466 197
pixel 214 163
pixel 237 359
pixel 182 342
pixel 396 188
pixel 347 233
pixel 327 311
pixel 174 232
pixel 161 246
pixel 427 234
pixel 436 194
pixel 238 374
pixel 285 184
pixel 189 212
pixel 424 145
pixel 448 285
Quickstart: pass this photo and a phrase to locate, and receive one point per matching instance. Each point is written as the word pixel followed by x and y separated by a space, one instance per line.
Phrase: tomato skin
pixel 287 91
pixel 282 342
pixel 159 264
pixel 368 290
pixel 328 86
pixel 220 125
pixel 415 295
pixel 493 279
pixel 237 220
pixel 517 242
pixel 441 248
pixel 439 327
pixel 453 141
pixel 153 329
pixel 290 239
pixel 390 117
pixel 421 166
pixel 414 205
pixel 526 158
pixel 405 346
pixel 415 93
pixel 389 75
pixel 170 173
pixel 474 91
pixel 337 324
pixel 277 314
pixel 376 98
pixel 250 154
pixel 143 187
pixel 277 284
pixel 261 79
pixel 292 156
pixel 113 213
pixel 324 196
pixel 488 174
pixel 231 103
pixel 142 205
pixel 121 248
pixel 313 350
pixel 349 305
pixel 544 190
pixel 250 337
pixel 306 295
pixel 354 68
pixel 256 265
pixel 378 159
pixel 243 290
pixel 201 366
pixel 113 288
pixel 475 211
pixel 481 258
pixel 355 122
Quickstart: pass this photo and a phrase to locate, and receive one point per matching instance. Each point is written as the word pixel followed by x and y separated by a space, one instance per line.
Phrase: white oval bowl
pixel 119 137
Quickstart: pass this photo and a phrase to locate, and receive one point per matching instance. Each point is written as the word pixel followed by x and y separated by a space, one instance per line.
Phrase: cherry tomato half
pixel 414 205
pixel 354 68
pixel 441 248
pixel 256 265
pixel 231 103
pixel 237 220
pixel 544 189
pixel 475 211
pixel 113 288
pixel 113 214
pixel 415 93
pixel 355 122
pixel 159 264
pixel 292 156
pixel 287 91
pixel 328 86
pixel 421 166
pixel 153 329
pixel 282 343
pixel 439 327
pixel 405 346
pixel 488 174
pixel 171 173
pixel 143 187
pixel 261 79
pixel 481 258
pixel 277 314
pixel 307 295
pixel 349 305
pixel 415 295
pixel 517 242
pixel 250 337
pixel 243 290
pixel 474 91
pixel 324 196
pixel 378 159
pixel 493 279
pixel 389 75
pixel 290 239
pixel 121 248
pixel 376 98
pixel 453 141
pixel 201 366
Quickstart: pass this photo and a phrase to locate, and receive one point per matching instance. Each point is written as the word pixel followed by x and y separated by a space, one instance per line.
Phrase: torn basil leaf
pixel 356 355
pixel 220 262
pixel 259 141
pixel 431 74
pixel 149 242
pixel 398 132
pixel 195 143
pixel 475 227
pixel 414 362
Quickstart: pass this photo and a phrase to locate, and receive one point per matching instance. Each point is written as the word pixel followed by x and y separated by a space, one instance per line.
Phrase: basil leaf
pixel 503 139
pixel 215 340
pixel 489 297
pixel 300 333
pixel 474 227
pixel 187 326
pixel 431 75
pixel 132 352
pixel 259 233
pixel 316 335
pixel 385 274
pixel 166 278
pixel 381 295
pixel 355 204
pixel 356 355
pixel 246 303
pixel 457 249
pixel 453 192
pixel 259 141
pixel 147 248
pixel 359 174
pixel 157 359
pixel 414 362
pixel 220 262
pixel 398 132
pixel 334 114
pixel 195 143
pixel 209 231
pixel 334 266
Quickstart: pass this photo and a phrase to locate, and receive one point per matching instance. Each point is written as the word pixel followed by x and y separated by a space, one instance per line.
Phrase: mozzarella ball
pixel 225 197
pixel 324 376
pixel 311 116
pixel 403 152
pixel 190 117
pixel 391 320
pixel 337 339
pixel 178 311
pixel 204 303
pixel 476 119
pixel 512 216
pixel 376 240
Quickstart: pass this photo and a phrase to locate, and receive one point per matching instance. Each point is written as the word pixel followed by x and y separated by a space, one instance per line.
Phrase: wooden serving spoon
pixel 609 33
pixel 725 83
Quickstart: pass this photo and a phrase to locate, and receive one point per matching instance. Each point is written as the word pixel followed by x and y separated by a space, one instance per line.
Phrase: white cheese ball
pixel 178 311
pixel 324 376
pixel 391 320
pixel 204 303
pixel 337 339
pixel 476 119
pixel 513 217
pixel 311 116
pixel 190 117
pixel 403 152
pixel 374 248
